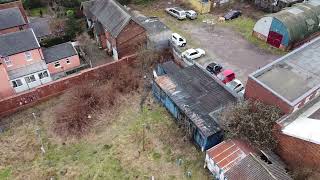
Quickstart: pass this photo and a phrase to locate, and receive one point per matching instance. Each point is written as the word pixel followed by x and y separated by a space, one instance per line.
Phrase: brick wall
pixel 21 101
pixel 297 152
pixel 128 39
pixel 15 4
pixel 255 91
pixel 13 29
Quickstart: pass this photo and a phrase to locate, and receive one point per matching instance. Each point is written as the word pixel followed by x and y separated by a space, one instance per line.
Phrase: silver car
pixel 191 14
pixel 177 12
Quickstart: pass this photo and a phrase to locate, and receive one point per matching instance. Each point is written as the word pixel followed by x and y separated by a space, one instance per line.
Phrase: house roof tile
pixel 58 52
pixel 11 17
pixel 17 42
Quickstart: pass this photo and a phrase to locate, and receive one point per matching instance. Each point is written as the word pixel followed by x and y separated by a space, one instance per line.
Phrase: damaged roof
pixel 112 15
pixel 197 94
pixel 239 161
pixel 11 17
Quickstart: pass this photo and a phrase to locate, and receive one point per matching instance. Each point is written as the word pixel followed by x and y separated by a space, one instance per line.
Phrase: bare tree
pixel 252 121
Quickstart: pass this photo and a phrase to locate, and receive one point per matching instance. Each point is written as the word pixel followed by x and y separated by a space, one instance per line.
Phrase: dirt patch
pixel 247 9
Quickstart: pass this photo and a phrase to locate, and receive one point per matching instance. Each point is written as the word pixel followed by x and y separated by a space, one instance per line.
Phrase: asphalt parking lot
pixel 228 48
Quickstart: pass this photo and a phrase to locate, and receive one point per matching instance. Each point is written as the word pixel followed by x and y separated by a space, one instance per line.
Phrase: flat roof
pixel 294 74
pixel 306 125
pixel 197 94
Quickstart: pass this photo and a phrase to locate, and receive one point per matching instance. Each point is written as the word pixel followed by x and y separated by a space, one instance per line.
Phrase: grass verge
pixel 244 26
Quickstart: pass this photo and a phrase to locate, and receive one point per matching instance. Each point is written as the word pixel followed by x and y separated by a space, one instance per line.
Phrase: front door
pixel 274 39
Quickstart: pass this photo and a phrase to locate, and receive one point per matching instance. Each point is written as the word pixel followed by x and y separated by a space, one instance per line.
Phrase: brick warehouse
pixel 292 83
pixel 289 82
pixel 299 138
pixel 115 29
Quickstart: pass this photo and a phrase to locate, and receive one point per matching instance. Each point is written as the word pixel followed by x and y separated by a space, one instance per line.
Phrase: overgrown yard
pixel 113 148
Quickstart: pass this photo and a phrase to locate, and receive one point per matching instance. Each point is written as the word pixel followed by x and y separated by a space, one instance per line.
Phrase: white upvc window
pixel 57 64
pixel 8 61
pixel 16 83
pixel 30 79
pixel 43 74
pixel 28 56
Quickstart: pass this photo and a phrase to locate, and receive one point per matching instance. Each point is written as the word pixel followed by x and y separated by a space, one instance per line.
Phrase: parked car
pixel 178 40
pixel 236 86
pixel 192 54
pixel 214 68
pixel 176 12
pixel 226 76
pixel 233 14
pixel 191 14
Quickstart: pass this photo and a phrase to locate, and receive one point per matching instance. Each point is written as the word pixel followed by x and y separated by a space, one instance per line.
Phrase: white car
pixel 192 54
pixel 178 40
pixel 236 86
pixel 191 14
pixel 177 12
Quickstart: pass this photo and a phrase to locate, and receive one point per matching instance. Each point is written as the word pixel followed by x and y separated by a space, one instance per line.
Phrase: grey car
pixel 177 12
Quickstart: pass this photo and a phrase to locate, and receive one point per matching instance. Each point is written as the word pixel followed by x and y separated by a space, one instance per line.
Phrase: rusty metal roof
pixel 228 153
pixel 197 94
pixel 239 161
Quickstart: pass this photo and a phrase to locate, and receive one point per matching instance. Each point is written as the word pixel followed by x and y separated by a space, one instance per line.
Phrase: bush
pixel 54 41
pixel 30 4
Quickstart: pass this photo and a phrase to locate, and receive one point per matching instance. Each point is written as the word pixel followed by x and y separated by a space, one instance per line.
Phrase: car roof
pixel 191 11
pixel 177 35
pixel 212 64
pixel 191 51
pixel 178 8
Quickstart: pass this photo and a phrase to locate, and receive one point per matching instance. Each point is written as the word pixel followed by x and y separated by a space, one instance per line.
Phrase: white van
pixel 178 40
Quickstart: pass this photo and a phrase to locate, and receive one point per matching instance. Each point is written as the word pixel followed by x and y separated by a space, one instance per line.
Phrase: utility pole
pixel 143 134
pixel 38 133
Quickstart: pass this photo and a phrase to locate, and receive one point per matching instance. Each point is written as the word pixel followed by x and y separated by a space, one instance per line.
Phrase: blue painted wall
pixel 279 27
pixel 203 142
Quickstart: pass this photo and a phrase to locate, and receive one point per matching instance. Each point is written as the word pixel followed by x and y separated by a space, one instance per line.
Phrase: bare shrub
pixel 252 121
pixel 74 117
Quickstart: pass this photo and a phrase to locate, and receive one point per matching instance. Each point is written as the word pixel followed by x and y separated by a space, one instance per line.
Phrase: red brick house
pixel 289 82
pixel 22 62
pixel 61 58
pixel 11 20
pixel 116 30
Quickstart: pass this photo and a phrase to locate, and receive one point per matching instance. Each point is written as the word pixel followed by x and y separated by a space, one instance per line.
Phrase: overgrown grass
pixel 111 151
pixel 244 26
pixel 36 11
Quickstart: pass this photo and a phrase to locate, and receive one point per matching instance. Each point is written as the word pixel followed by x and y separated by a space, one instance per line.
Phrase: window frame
pixel 43 75
pixel 7 61
pixel 30 79
pixel 16 83
pixel 55 64
pixel 28 55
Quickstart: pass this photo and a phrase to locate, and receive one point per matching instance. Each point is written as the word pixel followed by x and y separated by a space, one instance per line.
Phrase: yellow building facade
pixel 201 6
